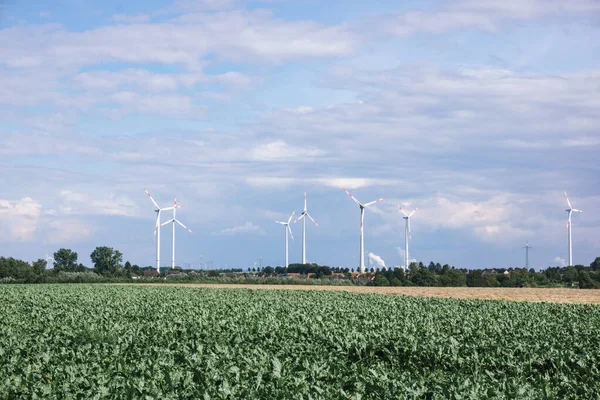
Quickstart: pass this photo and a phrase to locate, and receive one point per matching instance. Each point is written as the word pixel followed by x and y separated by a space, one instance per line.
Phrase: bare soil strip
pixel 560 295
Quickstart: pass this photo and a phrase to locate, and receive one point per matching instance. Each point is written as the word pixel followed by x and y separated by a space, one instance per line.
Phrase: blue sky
pixel 478 113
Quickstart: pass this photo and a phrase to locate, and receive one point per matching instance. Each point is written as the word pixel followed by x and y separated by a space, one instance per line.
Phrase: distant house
pixel 151 273
pixel 133 276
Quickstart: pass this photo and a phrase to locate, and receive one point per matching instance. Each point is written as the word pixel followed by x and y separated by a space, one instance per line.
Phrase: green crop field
pixel 91 341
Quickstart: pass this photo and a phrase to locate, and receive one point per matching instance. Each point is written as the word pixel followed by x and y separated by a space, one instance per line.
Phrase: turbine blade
pixel 304 200
pixel 291 216
pixel 402 211
pixel 282 223
pixel 168 208
pixel 291 234
pixel 568 201
pixel 167 222
pixel 409 231
pixel 299 218
pixel 373 202
pixel 185 227
pixel 353 198
pixel 151 198
pixel 311 218
pixel 414 211
pixel 575 210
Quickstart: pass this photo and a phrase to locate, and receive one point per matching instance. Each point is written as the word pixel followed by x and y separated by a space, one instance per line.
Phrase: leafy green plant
pixel 92 341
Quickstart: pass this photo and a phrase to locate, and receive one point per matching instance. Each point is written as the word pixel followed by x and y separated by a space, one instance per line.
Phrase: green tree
pixel 586 282
pixel 381 280
pixel 65 260
pixel 423 277
pixel 14 268
pixel 268 270
pixel 107 261
pixel 39 266
pixel 570 275
pixel 452 277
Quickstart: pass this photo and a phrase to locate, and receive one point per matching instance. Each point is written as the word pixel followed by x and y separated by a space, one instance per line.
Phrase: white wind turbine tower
pixel 287 229
pixel 157 228
pixel 303 218
pixel 172 221
pixel 527 247
pixel 362 220
pixel 570 210
pixel 407 234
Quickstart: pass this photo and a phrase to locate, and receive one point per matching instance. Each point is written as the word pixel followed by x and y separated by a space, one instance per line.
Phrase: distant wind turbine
pixel 287 229
pixel 158 210
pixel 407 233
pixel 570 210
pixel 303 218
pixel 527 247
pixel 172 221
pixel 362 220
pixel 48 258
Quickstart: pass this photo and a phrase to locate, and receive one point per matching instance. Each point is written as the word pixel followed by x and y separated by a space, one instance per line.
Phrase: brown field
pixel 561 295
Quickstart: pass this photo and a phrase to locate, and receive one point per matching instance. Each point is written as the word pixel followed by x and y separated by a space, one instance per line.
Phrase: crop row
pixel 86 341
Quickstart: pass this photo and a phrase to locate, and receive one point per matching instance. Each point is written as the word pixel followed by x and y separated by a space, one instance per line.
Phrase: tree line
pixel 108 266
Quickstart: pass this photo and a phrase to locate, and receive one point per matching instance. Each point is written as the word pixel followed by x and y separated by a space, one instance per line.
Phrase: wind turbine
pixel 407 233
pixel 48 258
pixel 287 229
pixel 570 210
pixel 527 247
pixel 172 221
pixel 302 217
pixel 362 220
pixel 158 210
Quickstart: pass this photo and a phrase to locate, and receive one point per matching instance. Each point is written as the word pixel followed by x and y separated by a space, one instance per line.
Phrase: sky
pixel 478 113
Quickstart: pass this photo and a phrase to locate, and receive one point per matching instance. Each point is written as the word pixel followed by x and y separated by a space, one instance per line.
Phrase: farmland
pixel 556 295
pixel 93 341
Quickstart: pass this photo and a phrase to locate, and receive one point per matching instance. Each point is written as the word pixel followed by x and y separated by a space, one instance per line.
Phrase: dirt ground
pixel 515 294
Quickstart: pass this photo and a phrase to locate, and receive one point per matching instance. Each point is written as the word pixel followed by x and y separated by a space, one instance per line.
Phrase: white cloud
pixel 279 150
pixel 147 81
pixel 446 112
pixel 561 261
pixel 74 203
pixel 19 219
pixel 232 35
pixel 67 231
pixel 494 218
pixel 247 228
pixel 268 181
pixel 353 183
pixel 485 15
